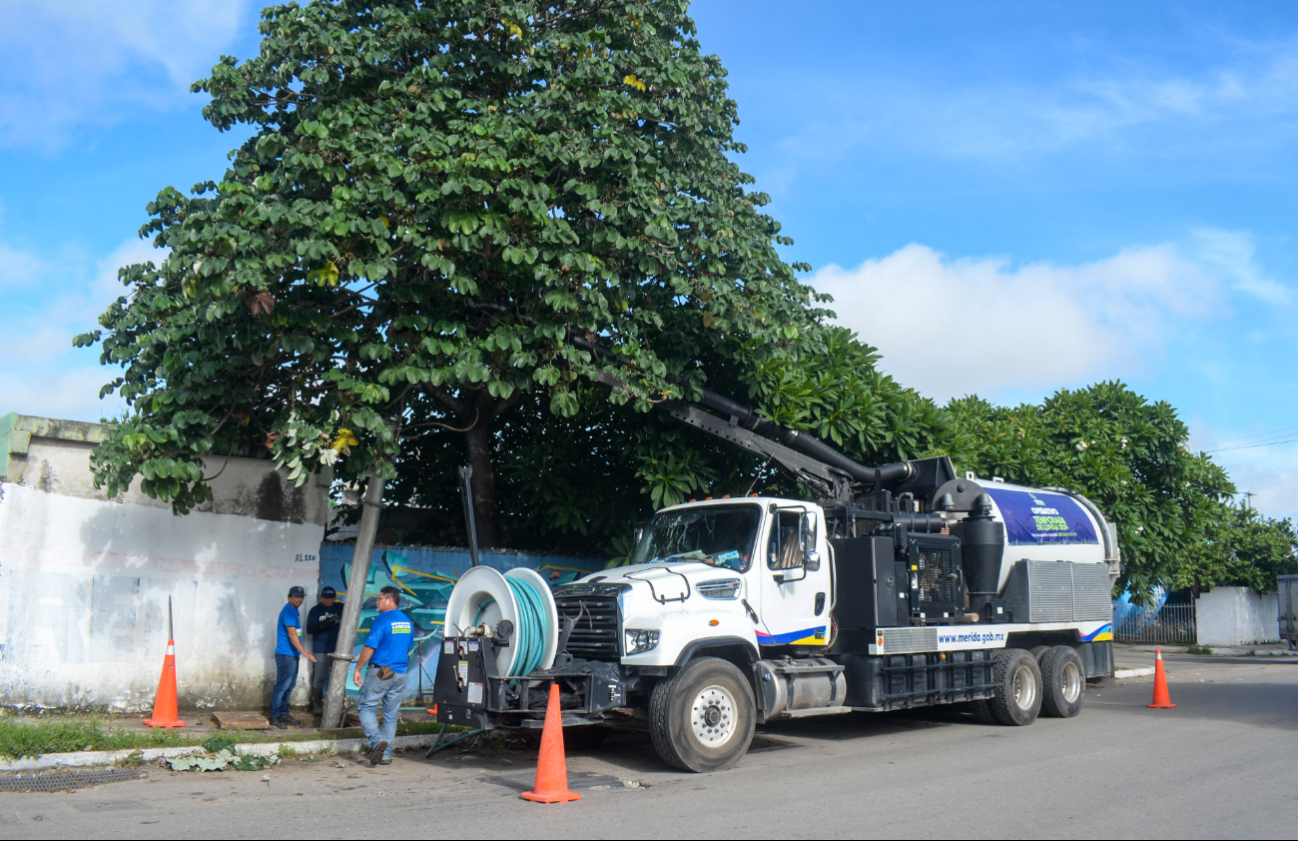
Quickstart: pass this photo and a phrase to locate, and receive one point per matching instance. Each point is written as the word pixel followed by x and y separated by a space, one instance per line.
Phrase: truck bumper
pixel 468 695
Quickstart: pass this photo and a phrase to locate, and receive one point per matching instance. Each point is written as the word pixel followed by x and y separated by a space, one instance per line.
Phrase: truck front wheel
pixel 702 718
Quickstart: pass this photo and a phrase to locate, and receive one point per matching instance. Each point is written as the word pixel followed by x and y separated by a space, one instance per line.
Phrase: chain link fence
pixel 1172 623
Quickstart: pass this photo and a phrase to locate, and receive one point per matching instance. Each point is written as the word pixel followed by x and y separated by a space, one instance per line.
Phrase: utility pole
pixel 1248 499
pixel 372 505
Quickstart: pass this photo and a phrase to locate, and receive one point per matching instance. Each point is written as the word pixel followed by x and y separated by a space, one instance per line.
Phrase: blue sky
pixel 1005 198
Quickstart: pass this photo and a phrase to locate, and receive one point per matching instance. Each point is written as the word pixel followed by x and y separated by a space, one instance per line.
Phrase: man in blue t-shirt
pixel 288 646
pixel 387 652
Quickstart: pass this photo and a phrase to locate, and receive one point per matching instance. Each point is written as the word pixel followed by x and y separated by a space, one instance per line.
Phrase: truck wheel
pixel 1064 679
pixel 982 711
pixel 1016 700
pixel 702 718
pixel 1039 651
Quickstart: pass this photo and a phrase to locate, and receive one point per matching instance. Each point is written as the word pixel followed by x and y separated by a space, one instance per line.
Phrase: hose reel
pixel 517 606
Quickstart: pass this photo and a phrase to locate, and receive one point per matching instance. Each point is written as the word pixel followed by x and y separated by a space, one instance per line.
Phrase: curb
pixel 1124 674
pixel 87 758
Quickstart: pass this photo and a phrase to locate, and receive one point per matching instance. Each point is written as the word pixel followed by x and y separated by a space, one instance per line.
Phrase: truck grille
pixel 595 636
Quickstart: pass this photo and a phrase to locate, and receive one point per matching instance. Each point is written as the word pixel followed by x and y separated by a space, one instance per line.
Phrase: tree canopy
pixel 440 203
pixel 1129 456
pixel 436 197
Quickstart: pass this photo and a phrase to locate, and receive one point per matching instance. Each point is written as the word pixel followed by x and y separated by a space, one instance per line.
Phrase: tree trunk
pixel 475 414
pixel 483 484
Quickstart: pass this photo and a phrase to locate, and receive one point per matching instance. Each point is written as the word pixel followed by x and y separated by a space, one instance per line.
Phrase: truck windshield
pixel 720 535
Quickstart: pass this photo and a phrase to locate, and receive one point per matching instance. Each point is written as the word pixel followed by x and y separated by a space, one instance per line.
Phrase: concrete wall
pixel 1229 616
pixel 84 580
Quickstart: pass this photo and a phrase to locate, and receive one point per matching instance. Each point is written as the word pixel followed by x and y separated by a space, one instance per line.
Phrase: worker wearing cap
pixel 288 646
pixel 387 652
pixel 322 623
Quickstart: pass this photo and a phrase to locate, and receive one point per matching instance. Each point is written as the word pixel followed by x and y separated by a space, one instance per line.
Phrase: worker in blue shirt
pixel 288 646
pixel 322 623
pixel 387 653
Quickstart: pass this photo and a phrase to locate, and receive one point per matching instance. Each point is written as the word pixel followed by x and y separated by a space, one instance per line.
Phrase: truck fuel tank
pixel 799 684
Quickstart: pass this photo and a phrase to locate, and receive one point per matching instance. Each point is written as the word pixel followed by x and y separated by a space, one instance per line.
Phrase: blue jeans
pixel 285 678
pixel 388 693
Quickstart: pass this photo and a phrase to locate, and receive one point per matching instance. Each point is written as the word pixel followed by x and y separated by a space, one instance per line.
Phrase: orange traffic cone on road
pixel 165 712
pixel 1162 701
pixel 552 769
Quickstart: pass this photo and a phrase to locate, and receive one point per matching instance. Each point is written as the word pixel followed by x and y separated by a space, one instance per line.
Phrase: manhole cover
pixel 67 780
pixel 576 780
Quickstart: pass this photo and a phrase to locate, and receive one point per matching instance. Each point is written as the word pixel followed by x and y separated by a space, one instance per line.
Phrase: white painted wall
pixel 84 583
pixel 1229 616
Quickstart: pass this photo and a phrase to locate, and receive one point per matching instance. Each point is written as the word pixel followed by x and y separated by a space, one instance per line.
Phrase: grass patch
pixel 1198 649
pixel 19 739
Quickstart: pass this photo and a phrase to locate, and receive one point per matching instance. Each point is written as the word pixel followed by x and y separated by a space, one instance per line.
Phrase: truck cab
pixel 753 571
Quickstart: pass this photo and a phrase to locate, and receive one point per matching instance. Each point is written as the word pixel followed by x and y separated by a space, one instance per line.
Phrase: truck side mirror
pixel 807 537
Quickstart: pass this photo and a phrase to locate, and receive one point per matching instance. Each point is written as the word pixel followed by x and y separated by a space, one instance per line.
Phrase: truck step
pixel 804 669
pixel 816 711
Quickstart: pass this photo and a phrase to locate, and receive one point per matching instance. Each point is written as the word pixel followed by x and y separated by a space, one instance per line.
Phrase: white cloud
pixel 73 63
pixel 1232 253
pixel 18 268
pixel 950 327
pixel 1246 102
pixel 43 374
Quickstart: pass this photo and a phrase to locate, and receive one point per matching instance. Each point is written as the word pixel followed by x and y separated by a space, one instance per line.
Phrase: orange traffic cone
pixel 1162 701
pixel 552 770
pixel 165 712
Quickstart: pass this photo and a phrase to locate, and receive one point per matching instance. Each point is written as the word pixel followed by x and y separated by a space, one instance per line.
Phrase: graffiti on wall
pixel 425 578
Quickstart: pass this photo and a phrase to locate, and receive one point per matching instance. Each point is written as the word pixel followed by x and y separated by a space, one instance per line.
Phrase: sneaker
pixel 279 724
pixel 387 760
pixel 291 720
pixel 376 755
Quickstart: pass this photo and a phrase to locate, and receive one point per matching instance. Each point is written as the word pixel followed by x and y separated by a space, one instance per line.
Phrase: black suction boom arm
pixel 889 475
pixel 807 458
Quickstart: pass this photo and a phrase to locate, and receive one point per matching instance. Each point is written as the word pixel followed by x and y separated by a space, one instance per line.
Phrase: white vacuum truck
pixel 903 586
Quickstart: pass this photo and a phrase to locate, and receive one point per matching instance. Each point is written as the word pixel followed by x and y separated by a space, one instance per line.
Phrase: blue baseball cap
pixel 328 593
pixel 296 591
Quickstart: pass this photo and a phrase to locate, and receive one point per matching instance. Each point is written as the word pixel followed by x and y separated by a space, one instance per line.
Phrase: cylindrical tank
pixel 1038 525
pixel 982 547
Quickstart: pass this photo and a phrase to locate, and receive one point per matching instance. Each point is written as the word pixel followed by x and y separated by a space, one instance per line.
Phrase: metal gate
pixel 1172 623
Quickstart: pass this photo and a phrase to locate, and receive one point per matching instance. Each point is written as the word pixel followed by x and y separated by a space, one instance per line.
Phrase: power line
pixel 1288 439
pixel 1260 438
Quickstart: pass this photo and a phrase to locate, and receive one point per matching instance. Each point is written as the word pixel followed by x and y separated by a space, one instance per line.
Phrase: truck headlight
pixel 638 641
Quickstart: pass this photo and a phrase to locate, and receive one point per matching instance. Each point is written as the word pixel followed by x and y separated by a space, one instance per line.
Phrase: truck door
pixel 795 578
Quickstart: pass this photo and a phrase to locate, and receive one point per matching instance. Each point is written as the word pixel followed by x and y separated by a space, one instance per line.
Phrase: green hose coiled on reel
pixel 529 635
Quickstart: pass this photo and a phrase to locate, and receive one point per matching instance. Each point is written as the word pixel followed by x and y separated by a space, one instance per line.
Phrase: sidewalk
pixel 1145 651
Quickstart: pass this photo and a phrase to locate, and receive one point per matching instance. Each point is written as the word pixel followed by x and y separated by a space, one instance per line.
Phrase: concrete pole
pixel 372 505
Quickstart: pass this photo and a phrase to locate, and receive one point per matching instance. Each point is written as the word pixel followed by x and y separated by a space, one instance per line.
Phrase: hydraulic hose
pixel 530 632
pixel 530 635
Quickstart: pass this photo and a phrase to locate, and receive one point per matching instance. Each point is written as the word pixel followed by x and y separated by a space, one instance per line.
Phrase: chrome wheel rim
pixel 712 716
pixel 1025 688
pixel 1070 682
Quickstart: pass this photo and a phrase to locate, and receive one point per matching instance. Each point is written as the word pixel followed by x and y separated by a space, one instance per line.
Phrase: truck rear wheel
pixel 1064 679
pixel 1016 699
pixel 702 718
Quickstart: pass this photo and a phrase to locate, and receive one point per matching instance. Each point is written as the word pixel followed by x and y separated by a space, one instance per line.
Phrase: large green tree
pixel 434 198
pixel 1126 454
pixel 1243 549
pixel 579 483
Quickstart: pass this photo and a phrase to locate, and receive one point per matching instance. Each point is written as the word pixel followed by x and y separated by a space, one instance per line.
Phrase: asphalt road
pixel 1219 765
